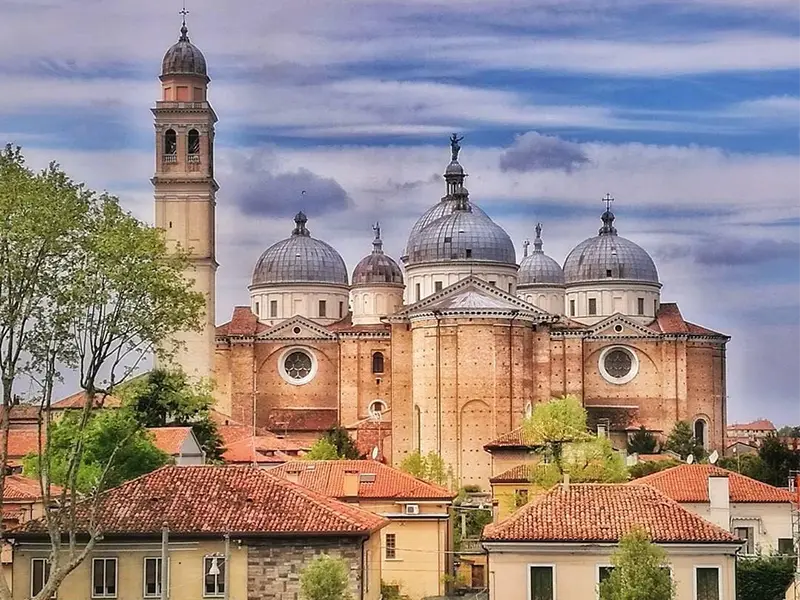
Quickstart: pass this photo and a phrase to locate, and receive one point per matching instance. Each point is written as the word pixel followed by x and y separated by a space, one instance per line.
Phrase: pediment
pixel 473 294
pixel 297 328
pixel 620 326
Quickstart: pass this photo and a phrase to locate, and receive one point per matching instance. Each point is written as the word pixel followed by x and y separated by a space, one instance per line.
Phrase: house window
pixel 707 583
pixel 341 309
pixel 604 572
pixel 746 533
pixel 377 362
pixel 194 142
pixel 785 546
pixel 104 578
pixel 700 432
pixel 437 286
pixel 520 497
pixel 152 577
pixel 391 546
pixel 170 142
pixel 273 308
pixel 40 573
pixel 418 292
pixel 572 308
pixel 608 273
pixel 592 306
pixel 602 430
pixel 541 580
pixel 322 308
pixel 640 307
pixel 214 576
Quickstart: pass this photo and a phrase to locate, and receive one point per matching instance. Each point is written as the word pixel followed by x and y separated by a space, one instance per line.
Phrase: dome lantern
pixel 184 58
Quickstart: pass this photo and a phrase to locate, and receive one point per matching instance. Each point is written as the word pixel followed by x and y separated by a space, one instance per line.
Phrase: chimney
pixel 719 500
pixel 565 483
pixel 293 475
pixel 350 484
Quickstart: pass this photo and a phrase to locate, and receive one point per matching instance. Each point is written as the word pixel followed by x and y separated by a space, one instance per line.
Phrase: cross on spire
pixel 184 30
pixel 608 200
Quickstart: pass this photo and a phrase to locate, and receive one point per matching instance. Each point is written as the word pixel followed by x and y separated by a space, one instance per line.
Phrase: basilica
pixel 446 348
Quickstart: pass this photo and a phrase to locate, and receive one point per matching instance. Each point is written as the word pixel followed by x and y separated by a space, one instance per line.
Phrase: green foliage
pixel 763 577
pixel 779 460
pixel 647 468
pixel 642 442
pixel 750 465
pixel 168 399
pixel 430 467
pixel 476 520
pixel 115 449
pixel 325 578
pixel 639 572
pixel 789 431
pixel 322 449
pixel 346 448
pixel 681 441
pixel 392 591
pixel 556 423
pixel 590 461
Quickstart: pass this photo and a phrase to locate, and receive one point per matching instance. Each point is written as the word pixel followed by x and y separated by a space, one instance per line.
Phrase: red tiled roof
pixel 346 324
pixel 78 399
pixel 518 474
pixel 596 512
pixel 19 488
pixel 759 425
pixel 263 449
pixel 215 500
pixel 670 320
pixel 243 323
pixel 513 439
pixel 327 477
pixel 301 419
pixel 170 439
pixel 689 483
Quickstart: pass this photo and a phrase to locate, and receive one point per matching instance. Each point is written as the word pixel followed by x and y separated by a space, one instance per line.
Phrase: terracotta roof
pixel 19 488
pixel 243 323
pixel 596 512
pixel 689 483
pixel 670 320
pixel 78 399
pixel 346 325
pixel 327 477
pixel 170 439
pixel 215 500
pixel 759 425
pixel 263 449
pixel 518 474
pixel 301 419
pixel 515 438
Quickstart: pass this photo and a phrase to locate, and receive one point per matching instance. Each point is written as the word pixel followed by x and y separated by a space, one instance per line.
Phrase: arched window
pixel 170 142
pixel 377 362
pixel 194 142
pixel 700 432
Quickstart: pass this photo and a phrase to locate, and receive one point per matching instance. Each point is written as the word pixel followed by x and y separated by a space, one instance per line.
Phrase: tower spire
pixel 184 30
pixel 454 174
pixel 377 243
pixel 537 242
pixel 608 218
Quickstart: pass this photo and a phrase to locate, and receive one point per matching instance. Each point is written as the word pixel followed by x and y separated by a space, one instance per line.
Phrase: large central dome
pixel 300 259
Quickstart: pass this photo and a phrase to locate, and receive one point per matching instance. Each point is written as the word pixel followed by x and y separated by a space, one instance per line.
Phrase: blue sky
pixel 687 111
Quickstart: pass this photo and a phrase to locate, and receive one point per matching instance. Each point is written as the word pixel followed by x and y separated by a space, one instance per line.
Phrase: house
pixel 225 531
pixel 265 450
pixel 740 447
pixel 513 489
pixel 511 450
pixel 21 442
pixel 180 443
pixel 417 542
pixel 752 433
pixel 559 546
pixel 754 511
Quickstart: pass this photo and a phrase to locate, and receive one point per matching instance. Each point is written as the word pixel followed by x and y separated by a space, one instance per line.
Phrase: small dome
pixel 184 58
pixel 538 268
pixel 300 259
pixel 462 235
pixel 609 256
pixel 377 267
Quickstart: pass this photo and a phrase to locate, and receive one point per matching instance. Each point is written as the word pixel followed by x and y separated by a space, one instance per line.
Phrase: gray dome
pixel 538 268
pixel 459 236
pixel 377 268
pixel 446 206
pixel 300 259
pixel 609 256
pixel 184 58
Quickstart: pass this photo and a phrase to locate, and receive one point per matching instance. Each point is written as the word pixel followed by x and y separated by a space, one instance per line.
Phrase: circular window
pixel 376 409
pixel 618 328
pixel 296 330
pixel 618 364
pixel 297 366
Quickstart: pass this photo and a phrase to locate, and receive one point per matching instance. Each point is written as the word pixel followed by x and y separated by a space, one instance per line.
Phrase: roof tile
pixel 170 439
pixel 518 474
pixel 263 449
pixel 759 425
pixel 597 512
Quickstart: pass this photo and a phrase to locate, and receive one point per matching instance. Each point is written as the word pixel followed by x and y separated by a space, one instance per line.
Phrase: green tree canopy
pixel 430 467
pixel 640 571
pixel 115 449
pixel 763 577
pixel 168 399
pixel 325 578
pixel 322 449
pixel 556 423
pixel 773 463
pixel 345 446
pixel 681 441
pixel 647 468
pixel 642 442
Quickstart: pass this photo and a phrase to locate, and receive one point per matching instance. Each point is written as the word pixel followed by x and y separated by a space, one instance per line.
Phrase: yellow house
pixel 511 450
pixel 416 544
pixel 559 546
pixel 226 532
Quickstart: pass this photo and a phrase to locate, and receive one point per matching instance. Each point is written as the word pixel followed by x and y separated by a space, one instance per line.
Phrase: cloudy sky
pixel 685 110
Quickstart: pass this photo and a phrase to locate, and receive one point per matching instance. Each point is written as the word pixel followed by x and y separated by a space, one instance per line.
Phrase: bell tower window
pixel 194 145
pixel 170 145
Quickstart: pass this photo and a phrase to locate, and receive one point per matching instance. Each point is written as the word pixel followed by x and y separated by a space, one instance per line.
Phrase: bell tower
pixel 185 189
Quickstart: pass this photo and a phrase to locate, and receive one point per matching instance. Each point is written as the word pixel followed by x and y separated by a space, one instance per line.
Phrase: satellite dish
pixel 374 453
pixel 690 459
pixel 714 457
pixel 528 410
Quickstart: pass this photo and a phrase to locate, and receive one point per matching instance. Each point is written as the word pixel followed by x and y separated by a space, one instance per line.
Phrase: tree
pixel 554 424
pixel 681 441
pixel 168 399
pixel 84 288
pixel 640 571
pixel 642 442
pixel 750 465
pixel 763 577
pixel 325 578
pixel 648 468
pixel 779 460
pixel 430 467
pixel 590 461
pixel 322 449
pixel 107 432
pixel 345 446
pixel 789 431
